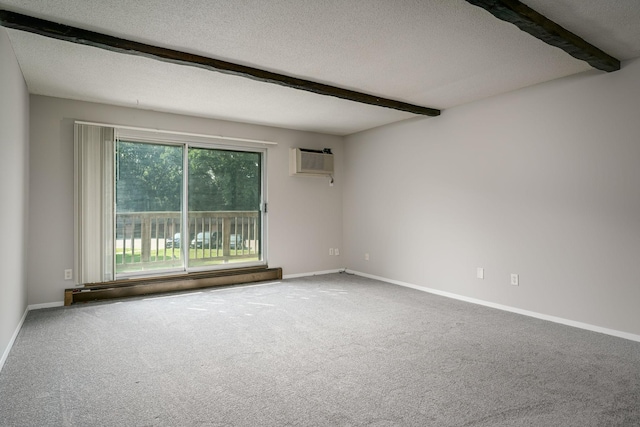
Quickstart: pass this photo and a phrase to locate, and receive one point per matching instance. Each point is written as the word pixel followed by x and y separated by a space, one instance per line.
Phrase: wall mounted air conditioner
pixel 310 162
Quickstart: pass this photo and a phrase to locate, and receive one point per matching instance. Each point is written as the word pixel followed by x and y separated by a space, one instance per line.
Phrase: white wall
pixel 304 217
pixel 14 143
pixel 543 182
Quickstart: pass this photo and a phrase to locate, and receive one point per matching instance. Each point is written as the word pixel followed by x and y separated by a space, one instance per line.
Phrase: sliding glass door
pixel 182 208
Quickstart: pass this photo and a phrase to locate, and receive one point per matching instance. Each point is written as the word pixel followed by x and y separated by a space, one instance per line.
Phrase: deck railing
pixel 151 240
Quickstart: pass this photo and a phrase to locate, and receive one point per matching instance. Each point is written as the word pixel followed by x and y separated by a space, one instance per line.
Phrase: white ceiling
pixel 434 53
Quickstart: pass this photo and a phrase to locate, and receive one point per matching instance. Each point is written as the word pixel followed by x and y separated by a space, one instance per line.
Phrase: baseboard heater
pixel 155 285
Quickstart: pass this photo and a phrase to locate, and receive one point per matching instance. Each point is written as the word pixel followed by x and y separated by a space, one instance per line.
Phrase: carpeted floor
pixel 333 350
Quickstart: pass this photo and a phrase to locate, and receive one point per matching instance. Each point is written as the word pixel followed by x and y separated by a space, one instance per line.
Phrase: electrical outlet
pixel 68 274
pixel 480 273
pixel 366 257
pixel 331 251
pixel 515 280
pixel 336 251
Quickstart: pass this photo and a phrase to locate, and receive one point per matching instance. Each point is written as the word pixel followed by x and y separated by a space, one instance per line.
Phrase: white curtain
pixel 94 201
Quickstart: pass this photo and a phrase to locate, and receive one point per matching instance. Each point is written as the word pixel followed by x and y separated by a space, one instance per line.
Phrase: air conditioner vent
pixel 310 162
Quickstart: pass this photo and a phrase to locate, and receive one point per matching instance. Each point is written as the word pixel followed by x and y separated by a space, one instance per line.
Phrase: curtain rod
pixel 171 132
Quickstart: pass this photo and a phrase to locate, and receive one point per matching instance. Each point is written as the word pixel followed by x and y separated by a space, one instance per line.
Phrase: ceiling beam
pixel 541 27
pixel 114 44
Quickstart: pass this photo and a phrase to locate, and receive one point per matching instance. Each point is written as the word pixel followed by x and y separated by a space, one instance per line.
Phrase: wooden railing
pixel 147 238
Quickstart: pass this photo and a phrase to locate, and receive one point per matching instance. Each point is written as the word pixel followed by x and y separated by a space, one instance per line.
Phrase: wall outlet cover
pixel 515 280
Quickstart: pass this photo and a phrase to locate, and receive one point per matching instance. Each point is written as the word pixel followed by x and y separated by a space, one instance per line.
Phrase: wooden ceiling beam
pixel 114 44
pixel 541 27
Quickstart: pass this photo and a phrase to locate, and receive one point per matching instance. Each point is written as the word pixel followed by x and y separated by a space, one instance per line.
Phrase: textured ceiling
pixel 438 53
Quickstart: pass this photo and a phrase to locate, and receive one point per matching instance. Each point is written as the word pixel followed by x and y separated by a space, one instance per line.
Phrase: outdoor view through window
pixel 220 224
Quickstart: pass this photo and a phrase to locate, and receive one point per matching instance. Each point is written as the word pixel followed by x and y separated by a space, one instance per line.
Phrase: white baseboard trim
pixel 5 355
pixel 568 322
pixel 314 273
pixel 45 305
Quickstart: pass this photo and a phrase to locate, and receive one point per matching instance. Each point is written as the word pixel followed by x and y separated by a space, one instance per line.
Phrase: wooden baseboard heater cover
pixel 146 286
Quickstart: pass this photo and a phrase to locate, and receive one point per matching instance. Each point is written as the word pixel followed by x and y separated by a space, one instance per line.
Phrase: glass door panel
pixel 148 200
pixel 225 196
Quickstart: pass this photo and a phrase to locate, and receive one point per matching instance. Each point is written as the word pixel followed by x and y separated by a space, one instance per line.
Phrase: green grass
pixel 171 258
